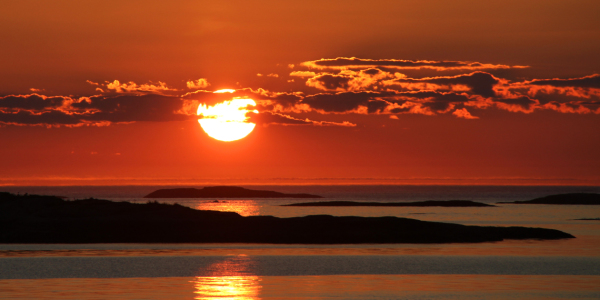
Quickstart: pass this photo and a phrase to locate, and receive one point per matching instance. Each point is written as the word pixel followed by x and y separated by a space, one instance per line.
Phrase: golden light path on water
pixel 227 287
pixel 232 279
pixel 247 287
pixel 242 207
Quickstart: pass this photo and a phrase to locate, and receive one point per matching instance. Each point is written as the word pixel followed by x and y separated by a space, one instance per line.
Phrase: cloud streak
pixel 95 110
pixel 400 64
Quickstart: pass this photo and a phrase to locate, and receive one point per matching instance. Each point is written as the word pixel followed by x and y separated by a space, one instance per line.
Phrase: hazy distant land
pixel 563 199
pixel 448 203
pixel 222 192
pixel 48 219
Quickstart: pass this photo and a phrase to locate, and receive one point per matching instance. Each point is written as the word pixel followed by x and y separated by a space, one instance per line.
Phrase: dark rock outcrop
pixel 222 192
pixel 449 203
pixel 46 219
pixel 563 199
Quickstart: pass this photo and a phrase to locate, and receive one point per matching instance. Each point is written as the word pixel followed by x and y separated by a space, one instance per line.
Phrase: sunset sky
pixel 366 92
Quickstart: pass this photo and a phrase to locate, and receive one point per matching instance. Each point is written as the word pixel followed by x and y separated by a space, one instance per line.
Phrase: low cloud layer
pixel 341 82
pixel 332 86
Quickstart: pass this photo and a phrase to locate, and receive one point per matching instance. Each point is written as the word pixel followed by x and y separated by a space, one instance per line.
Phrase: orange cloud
pixel 522 104
pixel 572 108
pixel 303 74
pixel 348 80
pixel 131 87
pixel 464 113
pixel 197 84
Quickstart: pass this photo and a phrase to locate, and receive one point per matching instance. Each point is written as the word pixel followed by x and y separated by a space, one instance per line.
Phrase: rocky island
pixel 563 199
pixel 448 203
pixel 222 192
pixel 48 219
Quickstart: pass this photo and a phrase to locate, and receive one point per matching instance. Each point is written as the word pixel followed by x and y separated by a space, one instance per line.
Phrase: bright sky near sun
pixel 423 92
pixel 227 121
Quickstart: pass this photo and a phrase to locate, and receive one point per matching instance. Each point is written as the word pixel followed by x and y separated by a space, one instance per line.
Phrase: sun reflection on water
pixel 242 207
pixel 227 287
pixel 232 279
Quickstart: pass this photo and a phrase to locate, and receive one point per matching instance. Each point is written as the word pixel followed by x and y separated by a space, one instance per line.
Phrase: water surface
pixel 528 269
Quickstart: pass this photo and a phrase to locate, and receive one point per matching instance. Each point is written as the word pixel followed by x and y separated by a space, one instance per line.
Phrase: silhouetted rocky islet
pixel 222 192
pixel 448 203
pixel 563 199
pixel 47 219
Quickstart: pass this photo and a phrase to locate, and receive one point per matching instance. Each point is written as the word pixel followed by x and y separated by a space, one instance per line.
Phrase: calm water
pixel 563 269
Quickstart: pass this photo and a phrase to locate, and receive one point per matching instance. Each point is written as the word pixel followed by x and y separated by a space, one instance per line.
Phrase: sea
pixel 511 269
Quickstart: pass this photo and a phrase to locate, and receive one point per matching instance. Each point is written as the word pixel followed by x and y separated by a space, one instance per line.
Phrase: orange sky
pixel 423 92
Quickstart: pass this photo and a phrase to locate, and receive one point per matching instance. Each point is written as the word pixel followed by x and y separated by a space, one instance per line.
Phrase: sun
pixel 227 121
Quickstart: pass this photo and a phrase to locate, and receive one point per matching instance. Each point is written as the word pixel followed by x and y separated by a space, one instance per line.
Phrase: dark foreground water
pixel 562 269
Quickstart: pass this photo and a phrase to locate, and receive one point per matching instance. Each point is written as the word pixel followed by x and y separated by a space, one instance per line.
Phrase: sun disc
pixel 227 121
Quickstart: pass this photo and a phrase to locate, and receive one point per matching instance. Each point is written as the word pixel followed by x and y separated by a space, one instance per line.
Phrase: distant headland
pixel 48 219
pixel 563 199
pixel 448 203
pixel 222 192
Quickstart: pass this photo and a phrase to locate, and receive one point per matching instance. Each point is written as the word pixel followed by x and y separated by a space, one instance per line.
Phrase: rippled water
pixel 310 287
pixel 562 269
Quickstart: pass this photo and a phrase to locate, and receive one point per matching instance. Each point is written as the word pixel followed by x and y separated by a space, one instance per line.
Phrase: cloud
pixel 368 102
pixel 574 108
pixel 279 102
pixel 337 86
pixel 463 113
pixel 51 118
pixel 547 90
pixel 327 123
pixel 522 104
pixel 480 83
pixel 346 101
pixel 131 87
pixel 436 96
pixel 372 91
pixel 268 118
pixel 353 62
pixel 103 110
pixel 135 108
pixel 37 102
pixel 330 82
pixel 372 79
pixel 303 74
pixel 96 110
pixel 269 75
pixel 197 84
pixel 592 81
pixel 348 80
pixel 429 102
